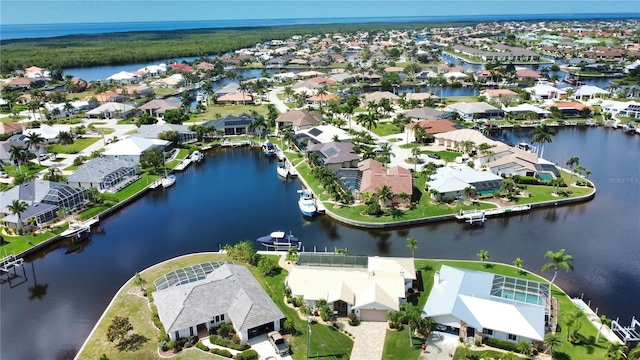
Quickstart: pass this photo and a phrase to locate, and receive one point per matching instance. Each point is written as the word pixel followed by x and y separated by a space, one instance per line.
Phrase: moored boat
pixel 282 169
pixel 75 229
pixel 168 180
pixel 307 203
pixel 197 156
pixel 269 149
pixel 279 240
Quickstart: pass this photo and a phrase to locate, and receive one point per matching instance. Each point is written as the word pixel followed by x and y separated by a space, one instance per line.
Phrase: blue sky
pixel 76 11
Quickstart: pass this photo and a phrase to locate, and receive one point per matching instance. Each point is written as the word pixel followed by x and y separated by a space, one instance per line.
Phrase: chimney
pixel 436 278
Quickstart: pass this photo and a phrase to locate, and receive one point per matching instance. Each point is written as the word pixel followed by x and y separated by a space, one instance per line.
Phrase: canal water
pixel 236 195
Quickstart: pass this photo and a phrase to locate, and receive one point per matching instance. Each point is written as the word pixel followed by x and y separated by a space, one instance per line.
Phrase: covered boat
pixel 279 240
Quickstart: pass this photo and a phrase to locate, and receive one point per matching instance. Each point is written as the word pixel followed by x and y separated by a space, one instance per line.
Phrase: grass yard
pixel 77 146
pixel 336 345
pixel 448 156
pixel 19 243
pixel 588 350
pixel 396 345
pixel 217 111
pixel 386 128
pixel 28 168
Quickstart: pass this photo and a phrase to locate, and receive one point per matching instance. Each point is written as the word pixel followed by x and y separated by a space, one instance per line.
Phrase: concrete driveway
pixel 439 346
pixel 264 348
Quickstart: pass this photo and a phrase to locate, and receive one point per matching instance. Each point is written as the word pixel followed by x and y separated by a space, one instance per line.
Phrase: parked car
pixel 434 156
pixel 278 342
pixel 43 157
pixel 3 175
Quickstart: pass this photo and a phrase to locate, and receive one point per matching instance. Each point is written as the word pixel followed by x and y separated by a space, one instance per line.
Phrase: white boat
pixel 292 171
pixel 282 169
pixel 307 203
pixel 168 180
pixel 269 149
pixel 75 229
pixel 197 156
pixel 629 127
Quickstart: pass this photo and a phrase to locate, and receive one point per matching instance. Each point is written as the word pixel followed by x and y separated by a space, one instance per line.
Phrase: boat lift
pixel 628 334
pixel 472 218
pixel 6 264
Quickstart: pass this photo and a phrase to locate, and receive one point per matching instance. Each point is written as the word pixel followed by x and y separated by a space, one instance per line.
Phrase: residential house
pixel 318 101
pixel 335 155
pixel 572 108
pixel 185 136
pixel 237 98
pixel 106 174
pixel 368 287
pixel 111 110
pixel 320 134
pixel 587 92
pixel 431 127
pixel 527 75
pixel 5 149
pixel 11 128
pixel 157 107
pixel 44 200
pixel 230 88
pixel 424 113
pixel 298 119
pixel 125 77
pixel 457 138
pixel 373 176
pixel 375 97
pixel 542 91
pixel 231 124
pixel 500 95
pixel 450 182
pixel 131 148
pixel 507 160
pixel 478 305
pixel 521 110
pixel 621 108
pixel 48 133
pixel 107 97
pixel 475 110
pixel 228 293
pixel 171 81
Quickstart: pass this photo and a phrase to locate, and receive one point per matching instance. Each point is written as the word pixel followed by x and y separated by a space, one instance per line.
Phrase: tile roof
pixel 375 175
pixel 434 126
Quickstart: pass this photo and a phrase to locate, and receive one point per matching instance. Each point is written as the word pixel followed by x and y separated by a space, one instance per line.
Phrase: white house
pixel 228 294
pixel 475 110
pixel 110 110
pixel 523 109
pixel 622 108
pixel 49 133
pixel 124 77
pixel 482 305
pixel 370 287
pixel 131 148
pixel 508 160
pixel 586 92
pixel 542 91
pixel 105 174
pixel 450 182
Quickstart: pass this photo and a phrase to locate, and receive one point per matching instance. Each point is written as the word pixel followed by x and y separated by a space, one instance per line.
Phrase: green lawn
pixel 77 146
pixel 217 111
pixel 27 168
pixel 71 168
pixel 448 156
pixel 336 344
pixel 19 243
pixel 386 128
pixel 164 91
pixel 396 345
pixel 587 332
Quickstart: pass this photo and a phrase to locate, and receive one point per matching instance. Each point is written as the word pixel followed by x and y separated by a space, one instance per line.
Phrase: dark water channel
pixel 236 195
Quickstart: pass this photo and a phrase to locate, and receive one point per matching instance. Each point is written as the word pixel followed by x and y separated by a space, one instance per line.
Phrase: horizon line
pixel 547 16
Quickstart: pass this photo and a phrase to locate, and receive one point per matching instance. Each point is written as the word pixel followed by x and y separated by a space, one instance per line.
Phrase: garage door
pixel 373 315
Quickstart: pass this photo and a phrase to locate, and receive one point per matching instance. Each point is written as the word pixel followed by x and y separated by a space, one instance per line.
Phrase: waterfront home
pixel 230 88
pixel 5 149
pixel 587 92
pixel 125 77
pixel 171 81
pixel 369 287
pixel 621 108
pixel 48 133
pixel 335 155
pixel 342 78
pixel 21 84
pixel 321 134
pixel 185 136
pixel 111 110
pixel 44 200
pixel 11 128
pixel 375 97
pixel 318 101
pixel 499 95
pixel 285 76
pixel 507 160
pixel 419 97
pixel 106 97
pixel 424 113
pixel 105 174
pixel 131 148
pixel 543 91
pixel 522 110
pixel 231 124
pixel 216 293
pixel 481 305
pixel 450 182
pixel 154 70
pixel 430 126
pixel 34 72
pixel 456 139
pixel 237 98
pixel 502 53
pixel 157 107
pixel 527 75
pixel 572 108
pixel 298 119
pixel 374 175
pixel 475 110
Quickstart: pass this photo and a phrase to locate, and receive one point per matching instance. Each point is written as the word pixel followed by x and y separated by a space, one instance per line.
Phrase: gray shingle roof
pixel 229 289
pixel 96 169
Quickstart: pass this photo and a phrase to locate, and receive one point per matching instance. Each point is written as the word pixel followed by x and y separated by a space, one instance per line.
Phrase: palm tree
pixel 259 124
pixel 54 174
pixel 287 136
pixel 572 163
pixel 573 321
pixel 17 207
pixel 368 119
pixel 243 88
pixel 415 152
pixel 518 263
pixel 18 156
pixel 68 108
pixel 386 153
pixel 34 140
pixel 468 191
pixel 542 134
pixel 634 353
pixel 483 255
pixel 321 94
pixel 65 138
pixel 412 244
pixel 604 320
pixel 616 351
pixel 385 194
pixel 559 259
pixel 412 315
pixel 288 92
pixel 552 340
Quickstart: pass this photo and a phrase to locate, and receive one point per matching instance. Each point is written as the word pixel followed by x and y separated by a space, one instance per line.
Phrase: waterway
pixel 236 195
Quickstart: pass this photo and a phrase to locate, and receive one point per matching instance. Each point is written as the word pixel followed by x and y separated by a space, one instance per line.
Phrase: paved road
pixel 273 98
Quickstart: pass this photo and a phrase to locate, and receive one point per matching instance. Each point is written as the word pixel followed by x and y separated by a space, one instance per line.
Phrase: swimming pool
pixel 545 176
pixel 521 297
pixel 521 290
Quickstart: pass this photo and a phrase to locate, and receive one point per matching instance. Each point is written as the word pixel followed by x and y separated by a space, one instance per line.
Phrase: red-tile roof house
pixel 181 67
pixel 374 176
pixel 431 127
pixel 527 75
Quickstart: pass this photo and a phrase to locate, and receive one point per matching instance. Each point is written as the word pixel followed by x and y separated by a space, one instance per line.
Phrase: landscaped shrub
pixel 221 352
pixel 193 340
pixel 304 310
pixel 247 355
pixel 216 339
pixel 202 346
pixel 225 329
pixel 171 344
pixel 297 302
pixel 163 346
pixel 501 344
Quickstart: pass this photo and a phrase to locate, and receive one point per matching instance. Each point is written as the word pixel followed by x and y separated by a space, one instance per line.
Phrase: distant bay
pixel 26 31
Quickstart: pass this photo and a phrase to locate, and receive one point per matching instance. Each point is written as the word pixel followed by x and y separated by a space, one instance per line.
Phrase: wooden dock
pixel 234 144
pixel 479 216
